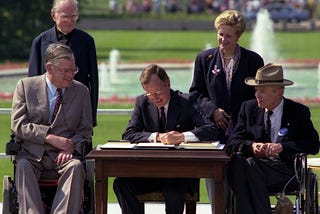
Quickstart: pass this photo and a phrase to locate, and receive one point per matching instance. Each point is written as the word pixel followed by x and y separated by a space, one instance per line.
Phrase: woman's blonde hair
pixel 232 18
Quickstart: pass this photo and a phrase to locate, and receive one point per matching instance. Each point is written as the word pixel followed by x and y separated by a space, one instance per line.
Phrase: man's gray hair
pixel 58 51
pixel 55 5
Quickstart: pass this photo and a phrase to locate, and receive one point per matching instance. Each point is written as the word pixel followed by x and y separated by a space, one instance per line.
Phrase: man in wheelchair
pixel 271 130
pixel 51 115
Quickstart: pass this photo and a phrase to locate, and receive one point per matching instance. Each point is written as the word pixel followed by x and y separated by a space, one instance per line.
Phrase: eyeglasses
pixel 154 94
pixel 65 17
pixel 72 71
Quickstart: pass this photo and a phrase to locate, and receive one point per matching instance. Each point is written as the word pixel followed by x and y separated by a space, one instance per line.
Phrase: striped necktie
pixel 57 105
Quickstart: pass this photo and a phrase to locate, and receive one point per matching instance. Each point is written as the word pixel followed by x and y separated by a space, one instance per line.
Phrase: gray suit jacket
pixel 30 116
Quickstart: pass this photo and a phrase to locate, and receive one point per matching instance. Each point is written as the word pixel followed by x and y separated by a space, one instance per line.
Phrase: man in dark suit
pixel 182 122
pixel 270 131
pixel 51 114
pixel 65 14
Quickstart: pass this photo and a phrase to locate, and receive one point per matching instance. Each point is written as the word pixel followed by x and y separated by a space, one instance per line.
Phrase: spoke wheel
pixel 312 193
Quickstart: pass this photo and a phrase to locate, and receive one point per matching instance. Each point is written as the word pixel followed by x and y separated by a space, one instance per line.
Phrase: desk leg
pixel 219 197
pixel 101 190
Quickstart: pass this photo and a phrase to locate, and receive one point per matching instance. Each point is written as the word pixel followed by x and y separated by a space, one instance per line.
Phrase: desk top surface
pixel 149 154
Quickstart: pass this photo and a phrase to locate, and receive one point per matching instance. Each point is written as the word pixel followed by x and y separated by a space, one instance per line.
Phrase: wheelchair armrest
pixel 300 166
pixel 13 146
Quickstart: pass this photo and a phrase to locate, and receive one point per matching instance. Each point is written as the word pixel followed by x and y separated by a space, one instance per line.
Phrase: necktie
pixel 57 104
pixel 268 126
pixel 162 124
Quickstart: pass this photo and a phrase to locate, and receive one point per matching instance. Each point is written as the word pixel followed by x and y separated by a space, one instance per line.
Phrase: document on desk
pixel 214 145
pixel 154 146
pixel 114 144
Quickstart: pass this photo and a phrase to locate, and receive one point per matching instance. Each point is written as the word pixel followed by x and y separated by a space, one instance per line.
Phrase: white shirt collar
pixel 276 119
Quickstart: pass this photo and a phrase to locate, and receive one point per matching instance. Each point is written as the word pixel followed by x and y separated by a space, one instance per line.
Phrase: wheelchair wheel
pixel 10 202
pixel 311 193
pixel 5 196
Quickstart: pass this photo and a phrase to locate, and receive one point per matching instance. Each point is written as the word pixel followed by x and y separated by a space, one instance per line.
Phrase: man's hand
pixel 63 157
pixel 172 137
pixel 61 143
pixel 259 150
pixel 221 118
pixel 273 149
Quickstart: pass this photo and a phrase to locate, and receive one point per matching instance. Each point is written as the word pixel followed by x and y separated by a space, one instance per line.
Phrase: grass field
pixel 154 46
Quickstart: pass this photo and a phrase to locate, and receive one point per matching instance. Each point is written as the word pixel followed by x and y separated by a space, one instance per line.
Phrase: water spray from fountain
pixel 108 75
pixel 262 40
pixel 103 77
pixel 113 65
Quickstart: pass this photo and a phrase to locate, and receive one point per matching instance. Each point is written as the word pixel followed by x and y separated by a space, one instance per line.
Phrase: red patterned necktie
pixel 57 105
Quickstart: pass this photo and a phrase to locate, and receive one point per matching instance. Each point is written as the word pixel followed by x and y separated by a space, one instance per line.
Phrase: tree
pixel 21 21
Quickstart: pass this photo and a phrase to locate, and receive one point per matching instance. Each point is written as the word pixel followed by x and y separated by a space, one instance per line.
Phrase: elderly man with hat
pixel 271 129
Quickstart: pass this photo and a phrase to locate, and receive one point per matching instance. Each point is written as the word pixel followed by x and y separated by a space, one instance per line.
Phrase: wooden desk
pixel 158 163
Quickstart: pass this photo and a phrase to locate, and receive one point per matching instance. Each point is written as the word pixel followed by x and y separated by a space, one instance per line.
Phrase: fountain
pixel 108 75
pixel 103 77
pixel 262 40
pixel 113 65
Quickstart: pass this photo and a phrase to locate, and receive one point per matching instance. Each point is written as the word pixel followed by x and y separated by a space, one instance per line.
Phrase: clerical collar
pixel 65 39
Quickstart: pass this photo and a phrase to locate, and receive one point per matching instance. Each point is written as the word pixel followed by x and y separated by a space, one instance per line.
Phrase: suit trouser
pixel 68 197
pixel 174 190
pixel 252 179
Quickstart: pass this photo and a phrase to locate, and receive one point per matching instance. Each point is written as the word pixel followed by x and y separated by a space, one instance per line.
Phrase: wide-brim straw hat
pixel 270 74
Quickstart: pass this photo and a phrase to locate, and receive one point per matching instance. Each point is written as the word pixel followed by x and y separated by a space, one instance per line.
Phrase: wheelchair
pixel 47 186
pixel 305 191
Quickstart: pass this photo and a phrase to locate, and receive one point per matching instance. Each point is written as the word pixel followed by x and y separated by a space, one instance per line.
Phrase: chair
pixel 47 186
pixel 191 200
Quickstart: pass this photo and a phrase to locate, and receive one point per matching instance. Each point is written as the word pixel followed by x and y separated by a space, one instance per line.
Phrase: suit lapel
pixel 257 122
pixel 285 120
pixel 41 93
pixel 285 114
pixel 154 116
pixel 52 36
pixel 68 98
pixel 173 111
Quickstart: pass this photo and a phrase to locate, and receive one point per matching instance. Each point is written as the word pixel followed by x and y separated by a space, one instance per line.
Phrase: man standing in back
pixel 65 14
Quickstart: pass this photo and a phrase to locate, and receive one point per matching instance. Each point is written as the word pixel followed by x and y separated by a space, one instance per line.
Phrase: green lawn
pixel 155 46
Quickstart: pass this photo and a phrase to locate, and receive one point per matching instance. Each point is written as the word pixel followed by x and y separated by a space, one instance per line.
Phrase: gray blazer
pixel 30 116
